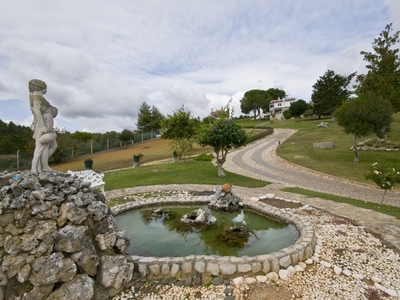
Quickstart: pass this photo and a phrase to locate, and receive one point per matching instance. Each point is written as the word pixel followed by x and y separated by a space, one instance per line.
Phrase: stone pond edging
pixel 197 267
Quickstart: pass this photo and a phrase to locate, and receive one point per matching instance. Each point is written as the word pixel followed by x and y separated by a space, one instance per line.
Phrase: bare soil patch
pixel 154 150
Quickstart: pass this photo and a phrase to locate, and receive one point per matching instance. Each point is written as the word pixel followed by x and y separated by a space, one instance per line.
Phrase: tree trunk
pixel 220 162
pixel 355 149
pixel 383 198
pixel 220 170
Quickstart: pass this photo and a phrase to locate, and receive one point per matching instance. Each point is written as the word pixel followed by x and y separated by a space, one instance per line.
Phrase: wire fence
pixel 22 160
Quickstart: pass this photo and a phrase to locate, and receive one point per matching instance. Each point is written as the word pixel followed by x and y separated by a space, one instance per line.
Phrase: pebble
pixel 250 280
pixel 284 274
pixel 325 264
pixel 273 276
pixel 261 278
pixel 298 268
pixel 238 280
pixel 302 264
pixel 309 261
pixel 337 270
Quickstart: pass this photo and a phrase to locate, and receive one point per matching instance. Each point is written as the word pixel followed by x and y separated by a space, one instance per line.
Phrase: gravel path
pixel 259 160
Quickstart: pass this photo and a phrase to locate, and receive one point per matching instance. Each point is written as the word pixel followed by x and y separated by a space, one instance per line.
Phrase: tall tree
pixel 364 115
pixel 275 93
pixel 144 117
pixel 257 100
pixel 180 128
pixel 254 100
pixel 383 76
pixel 222 135
pixel 149 119
pixel 156 118
pixel 329 92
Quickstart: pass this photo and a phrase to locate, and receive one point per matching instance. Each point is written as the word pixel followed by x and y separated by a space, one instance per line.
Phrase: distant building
pixel 215 113
pixel 277 107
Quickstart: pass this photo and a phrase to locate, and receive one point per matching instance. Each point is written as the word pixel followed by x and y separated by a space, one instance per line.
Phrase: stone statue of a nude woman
pixel 42 126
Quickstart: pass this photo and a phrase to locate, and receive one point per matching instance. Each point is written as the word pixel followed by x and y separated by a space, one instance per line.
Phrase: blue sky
pixel 102 59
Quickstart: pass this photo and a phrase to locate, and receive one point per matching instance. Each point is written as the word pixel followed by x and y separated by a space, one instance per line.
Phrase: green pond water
pixel 166 236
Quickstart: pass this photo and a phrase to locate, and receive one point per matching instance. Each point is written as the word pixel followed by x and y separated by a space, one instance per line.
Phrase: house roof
pixel 215 113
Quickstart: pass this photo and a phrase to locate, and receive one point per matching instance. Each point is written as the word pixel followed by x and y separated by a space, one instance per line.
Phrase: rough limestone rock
pixel 59 240
pixel 225 200
pixel 198 216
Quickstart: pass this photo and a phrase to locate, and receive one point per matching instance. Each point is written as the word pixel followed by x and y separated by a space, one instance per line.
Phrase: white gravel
pixel 348 263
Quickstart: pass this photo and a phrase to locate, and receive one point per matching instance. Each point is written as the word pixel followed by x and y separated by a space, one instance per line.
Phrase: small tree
pixel 180 128
pixel 222 135
pixel 385 176
pixel 125 136
pixel 365 115
pixel 298 108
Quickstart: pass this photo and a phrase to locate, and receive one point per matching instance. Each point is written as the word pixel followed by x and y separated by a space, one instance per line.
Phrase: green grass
pixel 385 209
pixel 184 172
pixel 339 160
pixel 250 122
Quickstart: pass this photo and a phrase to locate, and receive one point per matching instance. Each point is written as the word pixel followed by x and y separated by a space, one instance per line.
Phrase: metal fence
pixel 22 160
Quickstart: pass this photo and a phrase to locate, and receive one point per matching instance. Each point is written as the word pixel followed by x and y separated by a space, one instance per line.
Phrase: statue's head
pixel 37 85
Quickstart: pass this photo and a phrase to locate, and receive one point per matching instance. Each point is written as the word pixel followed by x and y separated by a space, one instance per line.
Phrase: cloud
pixel 101 60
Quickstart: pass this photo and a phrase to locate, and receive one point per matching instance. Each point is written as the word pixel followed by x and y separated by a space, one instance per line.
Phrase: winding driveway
pixel 259 160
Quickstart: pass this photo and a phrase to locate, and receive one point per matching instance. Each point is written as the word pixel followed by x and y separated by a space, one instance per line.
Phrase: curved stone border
pixel 197 266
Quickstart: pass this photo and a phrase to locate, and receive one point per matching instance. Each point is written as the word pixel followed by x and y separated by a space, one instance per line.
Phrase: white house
pixel 277 107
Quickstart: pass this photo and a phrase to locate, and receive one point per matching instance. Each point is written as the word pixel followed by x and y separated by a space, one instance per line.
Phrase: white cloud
pixel 100 60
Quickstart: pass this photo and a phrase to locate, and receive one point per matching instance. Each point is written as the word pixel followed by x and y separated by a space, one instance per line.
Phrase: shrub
pixel 203 157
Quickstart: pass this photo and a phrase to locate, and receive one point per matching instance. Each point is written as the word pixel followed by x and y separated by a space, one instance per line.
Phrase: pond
pixel 164 235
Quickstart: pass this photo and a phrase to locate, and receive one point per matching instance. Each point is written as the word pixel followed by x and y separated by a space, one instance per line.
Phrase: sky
pixel 102 59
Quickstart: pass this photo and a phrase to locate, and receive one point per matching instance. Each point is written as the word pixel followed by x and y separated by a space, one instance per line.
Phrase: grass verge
pixel 183 172
pixel 385 209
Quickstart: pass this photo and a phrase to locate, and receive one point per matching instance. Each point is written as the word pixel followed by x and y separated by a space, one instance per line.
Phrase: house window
pixel 279 104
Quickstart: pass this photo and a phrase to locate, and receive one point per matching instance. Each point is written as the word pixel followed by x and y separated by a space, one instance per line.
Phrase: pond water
pixel 165 235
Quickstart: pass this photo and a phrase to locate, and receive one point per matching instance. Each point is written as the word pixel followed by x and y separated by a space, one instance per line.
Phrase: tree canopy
pixel 254 100
pixel 329 92
pixel 180 128
pixel 364 115
pixel 298 108
pixel 222 135
pixel 149 119
pixel 383 76
pixel 125 136
pixel 257 100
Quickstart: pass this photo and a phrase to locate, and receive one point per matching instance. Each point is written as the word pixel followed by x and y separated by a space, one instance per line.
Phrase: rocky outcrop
pixel 225 200
pixel 197 216
pixel 59 240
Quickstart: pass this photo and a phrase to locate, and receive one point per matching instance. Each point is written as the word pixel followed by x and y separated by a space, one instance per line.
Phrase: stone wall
pixel 201 268
pixel 59 240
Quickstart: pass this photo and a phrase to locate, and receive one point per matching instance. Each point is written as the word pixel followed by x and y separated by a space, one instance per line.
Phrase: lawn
pixel 297 149
pixel 184 172
pixel 339 160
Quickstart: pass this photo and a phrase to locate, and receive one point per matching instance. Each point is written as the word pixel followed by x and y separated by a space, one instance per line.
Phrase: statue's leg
pixel 36 168
pixel 44 159
pixel 52 147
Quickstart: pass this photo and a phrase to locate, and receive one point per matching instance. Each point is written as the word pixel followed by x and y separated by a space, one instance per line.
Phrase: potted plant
pixel 136 159
pixel 88 163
